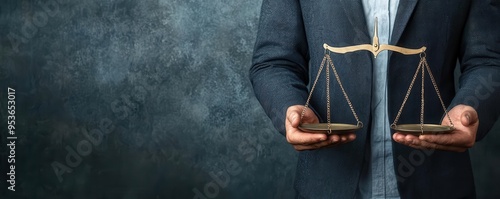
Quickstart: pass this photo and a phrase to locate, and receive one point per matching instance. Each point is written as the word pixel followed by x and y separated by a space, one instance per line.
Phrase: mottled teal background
pixel 169 81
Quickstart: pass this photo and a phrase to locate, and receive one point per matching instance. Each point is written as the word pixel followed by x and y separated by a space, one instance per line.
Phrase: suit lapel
pixel 403 15
pixel 356 15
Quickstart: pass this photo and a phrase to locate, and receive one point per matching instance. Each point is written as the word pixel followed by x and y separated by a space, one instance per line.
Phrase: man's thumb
pixel 468 118
pixel 292 118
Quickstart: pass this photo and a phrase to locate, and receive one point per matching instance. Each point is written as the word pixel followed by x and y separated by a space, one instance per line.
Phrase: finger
pixel 296 136
pixel 308 117
pixel 469 118
pixel 342 138
pixel 329 139
pixel 346 138
pixel 415 142
pixel 332 141
pixel 442 139
pixel 293 119
pixel 419 144
pixel 408 139
pixel 405 139
pixel 303 138
pixel 456 138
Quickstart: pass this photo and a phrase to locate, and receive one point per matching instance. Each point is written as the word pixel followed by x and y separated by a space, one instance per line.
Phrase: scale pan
pixel 414 129
pixel 336 128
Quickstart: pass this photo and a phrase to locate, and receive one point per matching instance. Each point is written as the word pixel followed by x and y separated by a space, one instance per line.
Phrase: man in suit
pixel 375 162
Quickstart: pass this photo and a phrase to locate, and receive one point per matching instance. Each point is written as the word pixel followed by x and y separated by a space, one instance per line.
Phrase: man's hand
pixel 307 141
pixel 465 120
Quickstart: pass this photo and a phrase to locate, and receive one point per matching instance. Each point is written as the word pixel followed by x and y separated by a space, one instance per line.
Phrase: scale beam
pixel 375 48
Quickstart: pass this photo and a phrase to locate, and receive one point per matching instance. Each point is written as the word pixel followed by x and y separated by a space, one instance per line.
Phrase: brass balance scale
pixel 375 49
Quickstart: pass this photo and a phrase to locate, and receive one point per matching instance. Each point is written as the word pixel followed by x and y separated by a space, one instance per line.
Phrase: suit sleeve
pixel 480 64
pixel 279 72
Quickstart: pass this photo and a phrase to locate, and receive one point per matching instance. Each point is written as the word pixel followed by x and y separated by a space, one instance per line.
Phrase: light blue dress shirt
pixel 378 179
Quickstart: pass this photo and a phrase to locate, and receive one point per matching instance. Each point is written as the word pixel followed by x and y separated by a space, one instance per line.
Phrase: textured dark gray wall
pixel 165 83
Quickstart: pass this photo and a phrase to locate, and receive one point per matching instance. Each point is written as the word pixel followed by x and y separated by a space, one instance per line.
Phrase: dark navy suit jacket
pixel 288 52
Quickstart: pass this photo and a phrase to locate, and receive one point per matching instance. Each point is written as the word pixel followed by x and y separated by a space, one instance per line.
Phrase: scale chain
pixel 422 103
pixel 328 93
pixel 407 94
pixel 437 91
pixel 344 92
pixel 329 62
pixel 423 66
pixel 312 88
